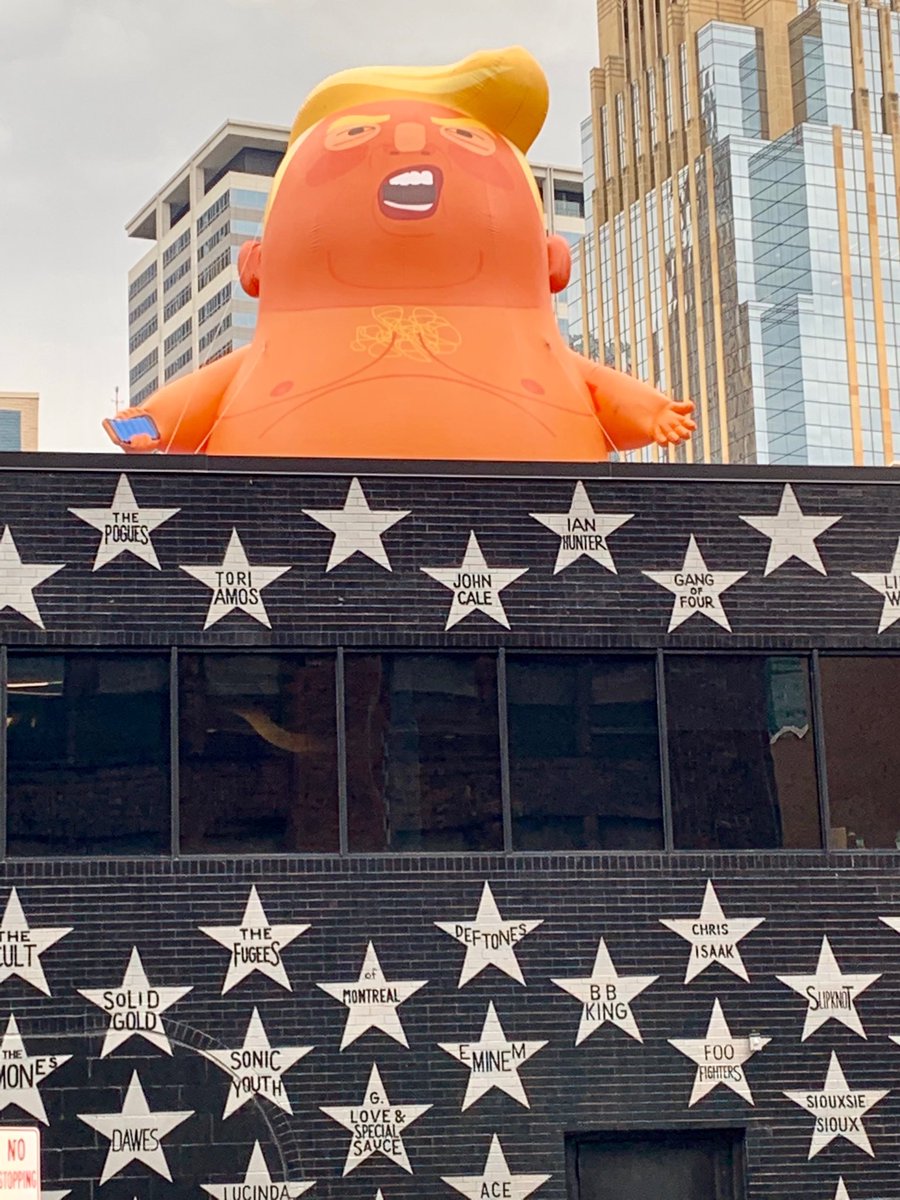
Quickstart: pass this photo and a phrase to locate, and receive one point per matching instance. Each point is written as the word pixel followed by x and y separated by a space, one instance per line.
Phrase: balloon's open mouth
pixel 411 195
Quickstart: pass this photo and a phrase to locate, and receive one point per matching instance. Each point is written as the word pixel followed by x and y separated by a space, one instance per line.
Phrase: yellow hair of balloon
pixel 505 90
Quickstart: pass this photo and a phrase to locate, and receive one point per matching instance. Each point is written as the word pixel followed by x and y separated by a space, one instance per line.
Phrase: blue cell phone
pixel 126 428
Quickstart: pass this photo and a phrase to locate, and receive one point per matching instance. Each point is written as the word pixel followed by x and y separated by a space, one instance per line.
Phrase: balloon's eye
pixel 476 141
pixel 345 137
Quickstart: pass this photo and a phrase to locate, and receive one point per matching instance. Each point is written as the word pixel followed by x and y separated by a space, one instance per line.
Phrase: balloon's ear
pixel 559 260
pixel 249 263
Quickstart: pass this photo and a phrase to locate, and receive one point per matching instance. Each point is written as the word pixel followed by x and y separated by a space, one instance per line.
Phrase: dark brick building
pixel 450 830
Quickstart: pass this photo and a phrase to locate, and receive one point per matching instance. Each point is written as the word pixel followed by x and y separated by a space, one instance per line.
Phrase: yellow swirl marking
pixel 415 333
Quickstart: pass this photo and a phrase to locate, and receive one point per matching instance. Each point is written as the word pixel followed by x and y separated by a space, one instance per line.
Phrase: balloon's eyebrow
pixel 349 120
pixel 461 123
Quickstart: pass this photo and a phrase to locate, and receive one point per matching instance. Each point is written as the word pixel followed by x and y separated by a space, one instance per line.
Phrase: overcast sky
pixel 102 100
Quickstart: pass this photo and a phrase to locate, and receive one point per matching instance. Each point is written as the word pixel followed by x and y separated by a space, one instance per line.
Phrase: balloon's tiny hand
pixel 134 431
pixel 674 424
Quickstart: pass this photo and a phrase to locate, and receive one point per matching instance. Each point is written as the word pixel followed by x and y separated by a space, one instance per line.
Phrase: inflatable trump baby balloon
pixel 404 281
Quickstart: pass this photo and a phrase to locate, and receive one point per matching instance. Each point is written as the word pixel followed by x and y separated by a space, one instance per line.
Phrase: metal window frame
pixel 340 748
pixel 811 658
pixel 499 654
pixel 665 779
pixel 4 679
pixel 174 758
pixel 503 731
pixel 96 651
pixel 340 692
pixel 648 656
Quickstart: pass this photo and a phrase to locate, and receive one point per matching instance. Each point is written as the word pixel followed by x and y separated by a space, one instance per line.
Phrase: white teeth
pixel 409 207
pixel 411 178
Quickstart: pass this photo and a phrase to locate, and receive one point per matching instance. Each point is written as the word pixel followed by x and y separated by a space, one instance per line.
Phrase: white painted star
pixel 134 1008
pixel 830 994
pixel 372 1001
pixel 606 995
pixel 489 940
pixel 792 534
pixel 254 945
pixel 719 1057
pixel 20 1073
pixel 496 1179
pixel 476 587
pixel 58 1195
pixel 235 584
pixel 18 580
pixel 256 1068
pixel 356 528
pixel 257 1183
pixel 582 531
pixel 888 586
pixel 135 1134
pixel 713 936
pixel 696 588
pixel 841 1192
pixel 125 527
pixel 838 1110
pixel 893 923
pixel 493 1061
pixel 23 946
pixel 376 1125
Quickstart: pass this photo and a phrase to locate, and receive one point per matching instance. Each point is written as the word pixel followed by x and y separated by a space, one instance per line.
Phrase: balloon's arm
pixel 179 417
pixel 634 413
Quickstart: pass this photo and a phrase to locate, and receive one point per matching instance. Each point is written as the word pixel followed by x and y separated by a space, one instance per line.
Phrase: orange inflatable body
pixel 404 281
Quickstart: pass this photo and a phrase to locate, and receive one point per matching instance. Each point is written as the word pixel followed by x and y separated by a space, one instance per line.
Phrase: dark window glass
pixel 258 748
pixel 860 706
pixel 584 753
pixel 88 754
pixel 741 753
pixel 423 753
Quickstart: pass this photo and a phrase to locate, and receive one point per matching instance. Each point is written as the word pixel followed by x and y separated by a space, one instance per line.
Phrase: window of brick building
pixel 584 753
pixel 423 752
pixel 860 706
pixel 741 752
pixel 258 753
pixel 88 754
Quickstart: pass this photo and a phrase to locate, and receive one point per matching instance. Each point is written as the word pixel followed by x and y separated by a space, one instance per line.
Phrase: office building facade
pixel 186 306
pixel 562 196
pixel 19 420
pixel 449 843
pixel 743 249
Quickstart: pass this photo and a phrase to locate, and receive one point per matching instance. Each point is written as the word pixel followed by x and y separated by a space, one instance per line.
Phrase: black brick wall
pixel 360 603
pixel 610 1081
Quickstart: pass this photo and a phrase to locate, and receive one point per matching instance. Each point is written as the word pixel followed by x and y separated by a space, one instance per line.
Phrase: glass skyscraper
pixel 742 196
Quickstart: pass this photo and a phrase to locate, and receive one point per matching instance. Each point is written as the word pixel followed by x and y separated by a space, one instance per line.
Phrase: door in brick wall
pixel 689 1165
